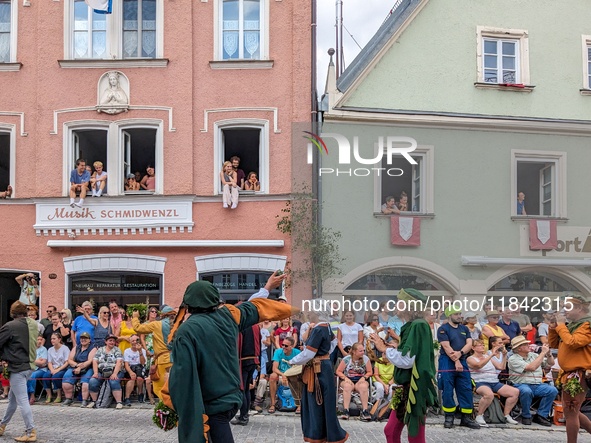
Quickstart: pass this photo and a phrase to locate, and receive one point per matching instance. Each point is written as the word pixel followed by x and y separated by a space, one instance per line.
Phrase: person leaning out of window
pixel 229 185
pixel 252 182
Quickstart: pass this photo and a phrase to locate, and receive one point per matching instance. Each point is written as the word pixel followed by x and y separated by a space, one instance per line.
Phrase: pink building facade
pixel 180 86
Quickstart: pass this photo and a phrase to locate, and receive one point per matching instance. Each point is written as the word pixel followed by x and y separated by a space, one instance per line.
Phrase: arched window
pixel 533 282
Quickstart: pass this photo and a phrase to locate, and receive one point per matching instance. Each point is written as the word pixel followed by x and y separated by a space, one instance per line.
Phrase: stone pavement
pixel 59 424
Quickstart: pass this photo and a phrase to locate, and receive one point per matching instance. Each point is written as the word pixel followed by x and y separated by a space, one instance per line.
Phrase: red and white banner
pixel 543 234
pixel 406 231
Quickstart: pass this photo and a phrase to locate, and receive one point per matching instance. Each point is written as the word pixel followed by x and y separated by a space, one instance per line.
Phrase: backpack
pixel 494 413
pixel 381 410
pixel 104 398
pixel 285 401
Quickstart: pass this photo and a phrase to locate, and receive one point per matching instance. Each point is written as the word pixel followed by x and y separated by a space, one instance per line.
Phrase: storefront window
pixel 239 286
pixel 394 280
pixel 533 281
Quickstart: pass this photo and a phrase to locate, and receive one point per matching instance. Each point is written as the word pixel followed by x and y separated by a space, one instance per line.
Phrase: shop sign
pixel 574 242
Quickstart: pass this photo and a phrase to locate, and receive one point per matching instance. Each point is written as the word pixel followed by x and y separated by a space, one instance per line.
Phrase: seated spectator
pixel 107 364
pixel 131 184
pixel 80 368
pixel 483 371
pixel 472 323
pixel 526 374
pixel 229 186
pixel 79 180
pixel 239 172
pixel 134 359
pixel 7 193
pixel 125 332
pixel 89 169
pixel 284 330
pixel 149 181
pixel 355 370
pixel 40 368
pixel 283 354
pixel 390 206
pixel 47 320
pixel 84 323
pixel 510 326
pixel 403 203
pixel 32 313
pixel 383 378
pixel 54 326
pixel 492 329
pixel 57 363
pixel 98 180
pixel 138 176
pixel 252 182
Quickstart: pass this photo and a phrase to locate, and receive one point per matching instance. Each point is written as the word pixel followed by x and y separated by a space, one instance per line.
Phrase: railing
pixel 396 5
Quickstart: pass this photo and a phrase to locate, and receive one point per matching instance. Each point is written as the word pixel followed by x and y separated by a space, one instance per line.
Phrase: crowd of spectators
pixel 234 180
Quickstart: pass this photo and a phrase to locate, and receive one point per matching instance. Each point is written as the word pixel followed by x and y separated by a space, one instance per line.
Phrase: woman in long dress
pixel 319 403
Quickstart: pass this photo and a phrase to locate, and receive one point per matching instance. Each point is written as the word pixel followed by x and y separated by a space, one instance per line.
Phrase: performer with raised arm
pixel 206 394
pixel 415 369
pixel 319 404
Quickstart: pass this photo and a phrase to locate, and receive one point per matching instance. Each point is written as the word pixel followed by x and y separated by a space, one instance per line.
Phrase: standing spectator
pixel 492 329
pixel 29 288
pixel 80 368
pixel 455 342
pixel 482 368
pixel 522 319
pixel 239 172
pixel 383 378
pixel 160 331
pixel 390 206
pixel 574 353
pixel 17 348
pixel 355 370
pixel 395 325
pixel 229 186
pixel 149 181
pixel 131 184
pixel 285 352
pixel 147 341
pixel 107 364
pixel 66 318
pixel 526 373
pixel 384 314
pixel 55 326
pixel 348 334
pixel 430 317
pixel 472 324
pixel 134 359
pixel 373 327
pixel 40 368
pixel 79 180
pixel 543 328
pixel 57 363
pixel 98 181
pixel 32 314
pixel 252 182
pixel 102 328
pixel 521 203
pixel 47 321
pixel 265 328
pixel 283 331
pixel 482 320
pixel 249 348
pixel 507 324
pixel 126 332
pixel 84 323
pixel 297 321
pixel 116 317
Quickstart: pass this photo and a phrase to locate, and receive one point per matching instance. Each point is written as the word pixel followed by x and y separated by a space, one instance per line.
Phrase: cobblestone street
pixel 58 424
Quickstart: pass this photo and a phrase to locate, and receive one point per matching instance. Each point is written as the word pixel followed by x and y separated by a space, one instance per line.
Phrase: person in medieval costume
pixel 318 397
pixel 574 357
pixel 415 369
pixel 204 381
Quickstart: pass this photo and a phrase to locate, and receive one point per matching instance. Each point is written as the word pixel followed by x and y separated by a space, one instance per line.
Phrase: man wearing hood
pixel 204 382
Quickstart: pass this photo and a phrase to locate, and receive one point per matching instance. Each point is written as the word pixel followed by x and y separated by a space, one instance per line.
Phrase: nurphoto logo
pixel 394 146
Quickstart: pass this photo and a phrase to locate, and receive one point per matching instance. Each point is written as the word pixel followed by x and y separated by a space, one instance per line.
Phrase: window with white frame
pixel 133 31
pixel 541 176
pixel 4 160
pixel 122 149
pixel 241 29
pixel 588 66
pixel 501 61
pixel 8 30
pixel 402 178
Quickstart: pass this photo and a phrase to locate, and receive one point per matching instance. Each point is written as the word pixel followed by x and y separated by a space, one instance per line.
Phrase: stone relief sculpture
pixel 113 93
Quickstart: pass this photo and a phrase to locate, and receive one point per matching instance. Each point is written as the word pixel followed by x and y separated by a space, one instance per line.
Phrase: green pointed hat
pixel 201 294
pixel 411 294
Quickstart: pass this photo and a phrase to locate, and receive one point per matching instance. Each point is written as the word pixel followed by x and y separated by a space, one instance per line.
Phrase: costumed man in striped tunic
pixel 204 382
pixel 573 341
pixel 318 398
pixel 415 369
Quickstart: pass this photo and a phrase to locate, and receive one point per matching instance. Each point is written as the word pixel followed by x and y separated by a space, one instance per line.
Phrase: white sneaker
pixel 225 205
pixel 77 205
pixel 90 405
pixel 480 421
pixel 119 406
pixel 94 192
pixel 99 193
pixel 510 420
pixel 234 205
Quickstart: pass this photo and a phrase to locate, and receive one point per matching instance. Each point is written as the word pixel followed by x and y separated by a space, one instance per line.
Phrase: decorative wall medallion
pixel 113 93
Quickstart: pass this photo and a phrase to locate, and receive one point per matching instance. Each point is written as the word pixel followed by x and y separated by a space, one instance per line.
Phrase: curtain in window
pixel 4 31
pixel 139 28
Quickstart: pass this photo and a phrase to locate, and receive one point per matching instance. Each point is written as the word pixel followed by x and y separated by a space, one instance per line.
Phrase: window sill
pixel 405 214
pixel 585 91
pixel 119 63
pixel 502 87
pixel 139 192
pixel 518 218
pixel 241 64
pixel 8 67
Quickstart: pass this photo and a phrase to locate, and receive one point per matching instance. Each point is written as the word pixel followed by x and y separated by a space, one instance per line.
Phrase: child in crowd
pixel 131 184
pixel 252 182
pixel 229 185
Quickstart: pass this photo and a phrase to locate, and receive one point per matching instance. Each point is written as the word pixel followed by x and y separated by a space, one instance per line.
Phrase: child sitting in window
pixel 131 184
pixel 252 182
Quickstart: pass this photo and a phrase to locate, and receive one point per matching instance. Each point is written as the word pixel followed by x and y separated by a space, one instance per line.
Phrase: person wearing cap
pixel 18 347
pixel 160 330
pixel 131 184
pixel 107 363
pixel 471 323
pixel 197 385
pixel 414 363
pixel 492 329
pixel 574 355
pixel 80 368
pixel 526 373
pixel 454 374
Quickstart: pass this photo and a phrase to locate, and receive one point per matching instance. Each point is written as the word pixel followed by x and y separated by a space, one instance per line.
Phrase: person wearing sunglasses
pixel 47 321
pixel 103 327
pixel 280 357
pixel 492 329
